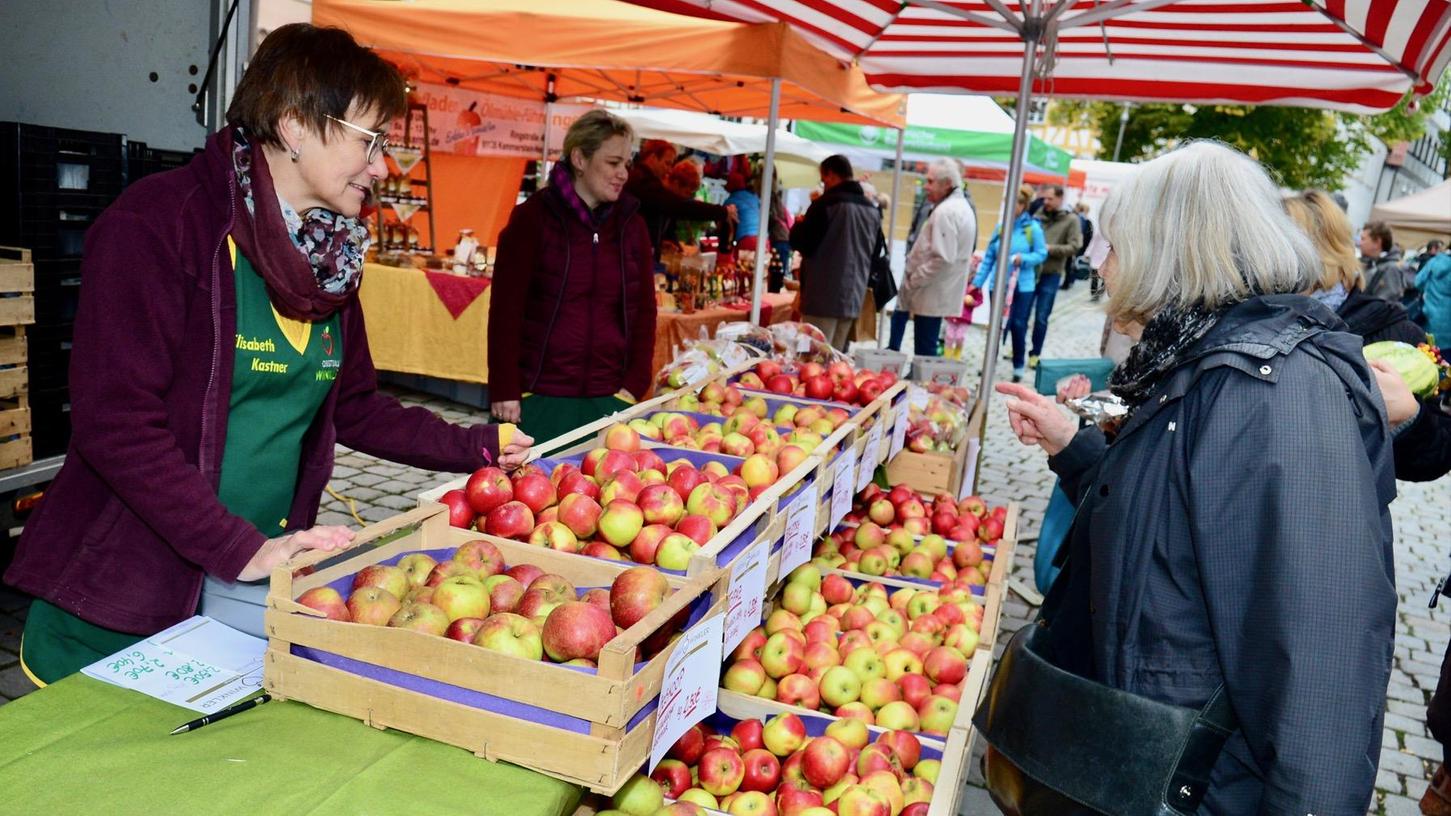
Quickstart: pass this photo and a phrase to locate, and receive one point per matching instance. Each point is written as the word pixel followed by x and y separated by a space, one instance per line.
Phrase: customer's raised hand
pixel 1036 419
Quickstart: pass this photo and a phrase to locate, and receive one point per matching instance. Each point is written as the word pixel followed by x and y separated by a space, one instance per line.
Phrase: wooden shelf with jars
pixel 406 192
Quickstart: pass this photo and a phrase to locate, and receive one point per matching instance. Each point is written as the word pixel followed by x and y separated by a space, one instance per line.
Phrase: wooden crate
pixel 601 722
pixel 934 473
pixel 17 308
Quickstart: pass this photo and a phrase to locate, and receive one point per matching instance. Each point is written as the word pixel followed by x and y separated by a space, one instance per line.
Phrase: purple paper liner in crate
pixel 468 697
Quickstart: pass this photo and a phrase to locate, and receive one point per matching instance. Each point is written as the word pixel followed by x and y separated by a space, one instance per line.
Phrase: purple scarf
pixel 563 183
pixel 309 273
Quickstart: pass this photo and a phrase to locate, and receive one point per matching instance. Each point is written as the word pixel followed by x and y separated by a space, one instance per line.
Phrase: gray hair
pixel 1202 226
pixel 947 169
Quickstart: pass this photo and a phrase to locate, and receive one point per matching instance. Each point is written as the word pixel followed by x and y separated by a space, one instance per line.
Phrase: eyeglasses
pixel 378 143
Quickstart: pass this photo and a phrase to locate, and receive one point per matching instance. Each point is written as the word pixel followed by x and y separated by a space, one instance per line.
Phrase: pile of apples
pixel 836 382
pixel 775 768
pixel 622 503
pixel 741 434
pixel 473 597
pixel 891 660
pixel 728 401
pixel 936 427
pixel 885 539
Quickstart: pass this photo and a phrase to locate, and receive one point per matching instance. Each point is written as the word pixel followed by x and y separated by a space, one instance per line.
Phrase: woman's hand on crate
pixel 278 551
pixel 1036 419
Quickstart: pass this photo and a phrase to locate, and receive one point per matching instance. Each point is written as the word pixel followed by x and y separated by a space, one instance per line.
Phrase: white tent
pixel 1418 217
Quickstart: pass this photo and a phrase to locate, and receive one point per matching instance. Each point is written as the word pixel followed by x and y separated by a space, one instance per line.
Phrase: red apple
pixel 691 745
pixel 580 513
pixel 747 733
pixel 483 557
pixel 577 629
pixel 384 576
pixel 463 629
pixel 763 769
pixel 825 762
pixel 636 593
pixel 524 573
pixel 327 601
pixel 487 489
pixel 372 605
pixel 460 512
pixel 510 520
pixel 504 593
pixel 672 775
pixel 721 771
pixel 905 745
pixel 644 545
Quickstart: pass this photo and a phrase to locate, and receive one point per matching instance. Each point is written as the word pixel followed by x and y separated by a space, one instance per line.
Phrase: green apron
pixel 543 418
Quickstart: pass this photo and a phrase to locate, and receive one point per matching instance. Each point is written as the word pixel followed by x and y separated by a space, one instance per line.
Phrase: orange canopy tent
pixel 586 50
pixel 606 50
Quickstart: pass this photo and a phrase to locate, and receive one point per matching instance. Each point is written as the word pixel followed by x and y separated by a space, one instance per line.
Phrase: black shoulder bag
pixel 884 285
pixel 1061 744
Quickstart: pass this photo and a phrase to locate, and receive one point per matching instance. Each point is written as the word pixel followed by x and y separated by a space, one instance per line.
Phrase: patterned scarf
pixel 1166 337
pixel 563 184
pixel 324 266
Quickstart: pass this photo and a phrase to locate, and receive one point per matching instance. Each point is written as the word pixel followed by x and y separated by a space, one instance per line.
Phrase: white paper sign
pixel 843 480
pixel 689 693
pixel 747 596
pixel 899 430
pixel 800 528
pixel 198 664
pixel 871 455
pixel 969 469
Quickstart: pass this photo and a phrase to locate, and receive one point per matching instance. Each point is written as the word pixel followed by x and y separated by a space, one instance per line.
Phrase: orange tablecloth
pixel 672 330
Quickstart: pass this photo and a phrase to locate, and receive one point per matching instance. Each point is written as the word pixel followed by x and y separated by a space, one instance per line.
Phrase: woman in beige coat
pixel 937 264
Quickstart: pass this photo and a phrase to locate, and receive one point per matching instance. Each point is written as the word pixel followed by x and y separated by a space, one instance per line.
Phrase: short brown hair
pixel 313 73
pixel 1381 231
pixel 686 175
pixel 590 131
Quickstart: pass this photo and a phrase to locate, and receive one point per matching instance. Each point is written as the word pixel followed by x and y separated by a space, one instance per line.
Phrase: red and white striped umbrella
pixel 1357 55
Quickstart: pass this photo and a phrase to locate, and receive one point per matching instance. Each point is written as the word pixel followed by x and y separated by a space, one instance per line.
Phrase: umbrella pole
pixel 891 227
pixel 768 180
pixel 1003 269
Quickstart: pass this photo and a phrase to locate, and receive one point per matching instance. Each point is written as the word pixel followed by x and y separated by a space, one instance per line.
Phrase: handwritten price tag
pixel 871 454
pixel 843 480
pixel 747 595
pixel 800 527
pixel 692 678
pixel 899 429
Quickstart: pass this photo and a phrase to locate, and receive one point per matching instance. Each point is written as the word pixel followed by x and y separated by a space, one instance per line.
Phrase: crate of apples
pixel 741 434
pixel 784 413
pixel 518 653
pixel 619 502
pixel 790 764
pixel 835 382
pixel 895 659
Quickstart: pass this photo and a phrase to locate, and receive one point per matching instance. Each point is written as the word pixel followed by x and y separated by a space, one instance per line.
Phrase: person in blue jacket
pixel 1026 251
pixel 1434 281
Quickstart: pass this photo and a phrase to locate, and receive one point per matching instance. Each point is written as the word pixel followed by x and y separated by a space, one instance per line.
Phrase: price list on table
pixel 689 693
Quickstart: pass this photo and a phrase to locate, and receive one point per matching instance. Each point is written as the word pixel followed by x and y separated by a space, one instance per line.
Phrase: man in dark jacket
pixel 1386 275
pixel 659 206
pixel 1376 319
pixel 837 239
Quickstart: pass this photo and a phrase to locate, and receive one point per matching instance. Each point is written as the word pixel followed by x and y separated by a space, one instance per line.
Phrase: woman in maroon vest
pixel 572 312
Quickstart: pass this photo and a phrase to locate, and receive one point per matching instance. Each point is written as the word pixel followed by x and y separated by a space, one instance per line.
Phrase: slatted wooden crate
pixel 589 727
pixel 17 310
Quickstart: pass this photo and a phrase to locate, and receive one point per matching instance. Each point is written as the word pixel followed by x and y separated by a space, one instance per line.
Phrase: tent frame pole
pixel 768 180
pixel 1032 32
pixel 891 228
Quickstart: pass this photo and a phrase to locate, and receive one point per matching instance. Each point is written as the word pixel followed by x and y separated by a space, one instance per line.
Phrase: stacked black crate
pixel 54 183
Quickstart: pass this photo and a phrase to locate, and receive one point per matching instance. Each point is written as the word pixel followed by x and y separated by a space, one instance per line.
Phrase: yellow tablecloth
pixel 410 331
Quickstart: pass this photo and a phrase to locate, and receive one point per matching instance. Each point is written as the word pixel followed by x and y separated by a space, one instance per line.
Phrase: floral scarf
pixel 323 267
pixel 1167 336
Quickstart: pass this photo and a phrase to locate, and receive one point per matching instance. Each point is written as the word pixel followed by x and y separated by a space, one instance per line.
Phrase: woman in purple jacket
pixel 219 356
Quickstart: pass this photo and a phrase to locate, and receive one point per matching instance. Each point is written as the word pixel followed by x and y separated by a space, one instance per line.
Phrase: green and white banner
pixel 965 145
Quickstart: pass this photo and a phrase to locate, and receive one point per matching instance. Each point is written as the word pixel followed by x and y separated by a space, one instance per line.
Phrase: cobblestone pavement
pixel 376 490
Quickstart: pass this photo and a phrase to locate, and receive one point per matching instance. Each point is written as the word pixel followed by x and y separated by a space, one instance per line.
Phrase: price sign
pixel 688 695
pixel 843 480
pixel 800 528
pixel 899 430
pixel 871 454
pixel 747 596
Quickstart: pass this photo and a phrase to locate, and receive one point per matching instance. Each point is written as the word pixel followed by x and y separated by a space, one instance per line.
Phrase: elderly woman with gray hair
pixel 937 264
pixel 1233 538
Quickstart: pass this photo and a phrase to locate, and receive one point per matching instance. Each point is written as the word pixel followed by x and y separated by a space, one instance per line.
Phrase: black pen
pixel 245 705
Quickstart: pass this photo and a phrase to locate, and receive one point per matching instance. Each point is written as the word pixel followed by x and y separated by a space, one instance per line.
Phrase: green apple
pixel 641 796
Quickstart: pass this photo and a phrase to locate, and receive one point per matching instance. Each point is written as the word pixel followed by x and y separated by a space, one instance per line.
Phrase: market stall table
pixel 672 329
pixel 82 746
pixel 410 329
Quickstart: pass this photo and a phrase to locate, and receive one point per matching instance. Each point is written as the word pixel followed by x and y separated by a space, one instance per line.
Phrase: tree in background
pixel 1304 147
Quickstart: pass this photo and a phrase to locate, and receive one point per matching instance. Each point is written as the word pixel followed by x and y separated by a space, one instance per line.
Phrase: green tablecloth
pixel 82 746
